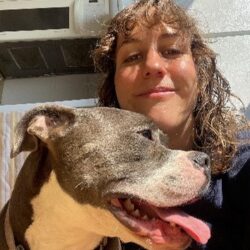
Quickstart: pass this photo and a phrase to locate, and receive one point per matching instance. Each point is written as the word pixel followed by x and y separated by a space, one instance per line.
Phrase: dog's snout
pixel 201 159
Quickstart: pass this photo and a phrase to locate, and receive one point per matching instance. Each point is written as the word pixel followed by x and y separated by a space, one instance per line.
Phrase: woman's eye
pixel 132 58
pixel 172 53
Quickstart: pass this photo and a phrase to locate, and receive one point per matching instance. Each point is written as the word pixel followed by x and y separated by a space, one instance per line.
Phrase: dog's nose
pixel 201 159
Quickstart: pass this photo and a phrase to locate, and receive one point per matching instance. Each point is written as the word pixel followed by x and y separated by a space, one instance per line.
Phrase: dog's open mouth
pixel 161 225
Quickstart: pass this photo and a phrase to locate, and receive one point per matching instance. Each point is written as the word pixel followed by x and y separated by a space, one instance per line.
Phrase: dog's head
pixel 117 162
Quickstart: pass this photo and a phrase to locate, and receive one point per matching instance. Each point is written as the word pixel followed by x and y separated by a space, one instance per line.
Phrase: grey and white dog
pixel 96 172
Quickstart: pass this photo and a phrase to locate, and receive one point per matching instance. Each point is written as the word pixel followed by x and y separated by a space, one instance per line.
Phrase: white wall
pixel 46 89
pixel 228 23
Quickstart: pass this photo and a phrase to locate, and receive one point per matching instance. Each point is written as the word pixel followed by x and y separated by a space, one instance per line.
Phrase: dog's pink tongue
pixel 195 228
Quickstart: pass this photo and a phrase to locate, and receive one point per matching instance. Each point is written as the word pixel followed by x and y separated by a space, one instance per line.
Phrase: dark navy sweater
pixel 225 207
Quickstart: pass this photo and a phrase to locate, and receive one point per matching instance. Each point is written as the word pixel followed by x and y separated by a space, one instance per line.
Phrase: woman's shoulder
pixel 241 158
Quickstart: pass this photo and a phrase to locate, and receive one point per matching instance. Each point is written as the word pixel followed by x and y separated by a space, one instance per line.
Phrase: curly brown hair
pixel 215 124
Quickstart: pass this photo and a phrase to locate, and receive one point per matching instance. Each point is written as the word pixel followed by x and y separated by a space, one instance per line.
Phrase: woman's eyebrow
pixel 128 40
pixel 167 35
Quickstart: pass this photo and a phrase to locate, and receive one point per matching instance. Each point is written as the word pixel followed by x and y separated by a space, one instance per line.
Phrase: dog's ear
pixel 41 123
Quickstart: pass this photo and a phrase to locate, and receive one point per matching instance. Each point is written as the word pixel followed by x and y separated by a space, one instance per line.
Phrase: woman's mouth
pixel 157 92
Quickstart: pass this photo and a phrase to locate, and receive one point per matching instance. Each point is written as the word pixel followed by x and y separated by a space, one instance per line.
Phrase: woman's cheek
pixel 185 68
pixel 184 75
pixel 122 87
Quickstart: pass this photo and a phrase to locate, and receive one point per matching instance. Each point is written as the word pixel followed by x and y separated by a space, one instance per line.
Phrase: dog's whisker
pixel 79 185
pixel 115 229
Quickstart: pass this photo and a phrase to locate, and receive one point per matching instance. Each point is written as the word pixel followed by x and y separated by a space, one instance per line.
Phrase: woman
pixel 155 62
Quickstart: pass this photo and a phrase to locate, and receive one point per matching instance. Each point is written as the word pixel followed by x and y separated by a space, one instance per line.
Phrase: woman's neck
pixel 182 138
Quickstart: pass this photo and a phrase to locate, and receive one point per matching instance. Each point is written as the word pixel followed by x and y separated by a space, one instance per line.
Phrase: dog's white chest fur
pixel 59 222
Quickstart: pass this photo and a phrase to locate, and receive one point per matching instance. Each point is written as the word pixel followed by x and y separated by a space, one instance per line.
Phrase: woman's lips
pixel 157 92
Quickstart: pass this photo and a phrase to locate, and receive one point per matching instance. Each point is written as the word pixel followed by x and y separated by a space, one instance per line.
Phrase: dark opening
pixel 34 19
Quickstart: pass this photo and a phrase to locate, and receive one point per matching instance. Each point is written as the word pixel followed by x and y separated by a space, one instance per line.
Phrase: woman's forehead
pixel 164 31
pixel 161 27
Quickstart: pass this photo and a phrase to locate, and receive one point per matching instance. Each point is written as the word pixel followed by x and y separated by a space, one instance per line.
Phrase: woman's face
pixel 155 75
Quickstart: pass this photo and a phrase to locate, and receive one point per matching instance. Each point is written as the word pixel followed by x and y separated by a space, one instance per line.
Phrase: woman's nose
pixel 154 65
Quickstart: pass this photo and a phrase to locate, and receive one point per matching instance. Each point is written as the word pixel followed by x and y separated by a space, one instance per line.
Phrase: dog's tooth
pixel 136 213
pixel 145 217
pixel 129 205
pixel 116 203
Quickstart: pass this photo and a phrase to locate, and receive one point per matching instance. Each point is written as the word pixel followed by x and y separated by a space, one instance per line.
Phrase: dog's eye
pixel 147 133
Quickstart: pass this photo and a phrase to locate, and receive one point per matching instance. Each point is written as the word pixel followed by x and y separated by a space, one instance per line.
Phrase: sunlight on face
pixel 155 75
